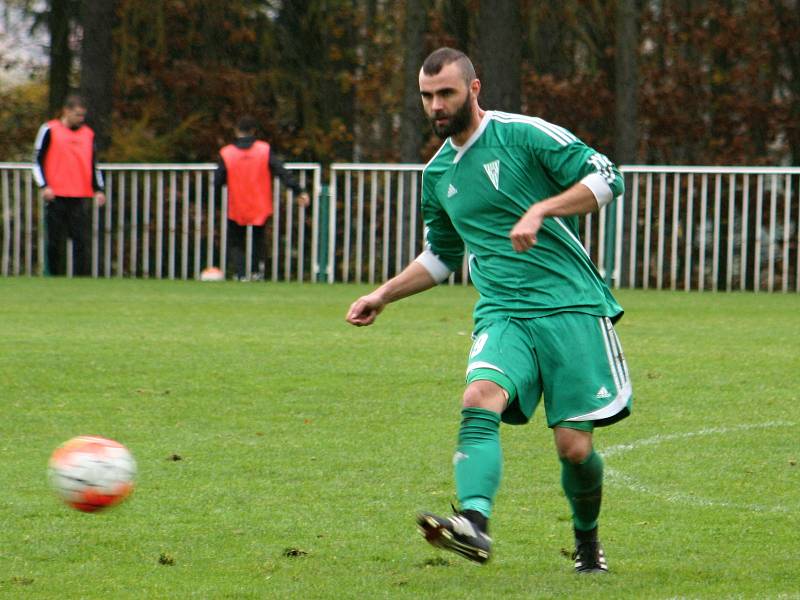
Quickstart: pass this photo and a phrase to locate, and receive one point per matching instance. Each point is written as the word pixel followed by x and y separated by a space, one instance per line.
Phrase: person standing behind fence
pixel 65 169
pixel 248 166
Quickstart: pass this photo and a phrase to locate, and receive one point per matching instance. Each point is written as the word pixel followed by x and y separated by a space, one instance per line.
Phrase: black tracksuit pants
pixel 237 249
pixel 68 218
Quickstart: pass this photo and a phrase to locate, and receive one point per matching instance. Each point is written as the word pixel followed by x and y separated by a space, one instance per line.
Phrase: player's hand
pixel 365 310
pixel 48 194
pixel 303 199
pixel 523 234
pixel 100 198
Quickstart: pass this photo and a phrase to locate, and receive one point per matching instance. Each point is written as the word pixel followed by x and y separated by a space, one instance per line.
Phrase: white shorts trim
pixel 480 364
pixel 619 372
pixel 609 410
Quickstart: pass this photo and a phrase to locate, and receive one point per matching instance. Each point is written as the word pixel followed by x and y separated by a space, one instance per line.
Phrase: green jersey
pixel 473 195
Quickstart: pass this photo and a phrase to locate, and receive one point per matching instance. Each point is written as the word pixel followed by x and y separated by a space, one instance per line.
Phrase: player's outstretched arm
pixel 413 279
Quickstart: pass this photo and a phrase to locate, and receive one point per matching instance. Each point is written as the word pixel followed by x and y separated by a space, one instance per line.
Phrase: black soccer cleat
pixel 590 558
pixel 457 534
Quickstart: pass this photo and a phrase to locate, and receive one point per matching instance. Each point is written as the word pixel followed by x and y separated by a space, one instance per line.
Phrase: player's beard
pixel 457 122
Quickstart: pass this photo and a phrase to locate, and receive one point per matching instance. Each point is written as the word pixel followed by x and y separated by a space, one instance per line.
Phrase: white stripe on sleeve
pixel 38 175
pixel 37 145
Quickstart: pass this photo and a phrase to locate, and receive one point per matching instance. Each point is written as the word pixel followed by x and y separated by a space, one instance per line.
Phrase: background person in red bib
pixel 65 168
pixel 248 166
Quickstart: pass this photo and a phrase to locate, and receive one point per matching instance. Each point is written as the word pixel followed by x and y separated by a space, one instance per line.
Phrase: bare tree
pixel 413 43
pixel 500 54
pixel 58 22
pixel 626 82
pixel 458 22
pixel 788 21
pixel 97 69
pixel 551 40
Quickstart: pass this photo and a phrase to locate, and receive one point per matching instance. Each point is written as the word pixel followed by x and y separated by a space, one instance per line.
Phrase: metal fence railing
pixel 688 228
pixel 375 227
pixel 717 228
pixel 160 221
pixel 374 223
pixel 679 228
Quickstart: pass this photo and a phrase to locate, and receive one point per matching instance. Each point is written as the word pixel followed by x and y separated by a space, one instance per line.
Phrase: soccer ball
pixel 90 472
pixel 212 274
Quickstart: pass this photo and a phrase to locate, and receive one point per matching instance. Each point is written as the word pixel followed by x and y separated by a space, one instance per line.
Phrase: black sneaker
pixel 590 558
pixel 458 534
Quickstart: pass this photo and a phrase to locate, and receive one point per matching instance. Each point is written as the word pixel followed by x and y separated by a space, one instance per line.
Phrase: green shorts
pixel 573 359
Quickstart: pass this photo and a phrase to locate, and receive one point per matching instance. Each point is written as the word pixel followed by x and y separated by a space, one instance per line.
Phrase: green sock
pixel 478 460
pixel 583 486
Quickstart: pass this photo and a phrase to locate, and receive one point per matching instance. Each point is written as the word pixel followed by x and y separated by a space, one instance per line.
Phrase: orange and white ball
pixel 90 472
pixel 212 274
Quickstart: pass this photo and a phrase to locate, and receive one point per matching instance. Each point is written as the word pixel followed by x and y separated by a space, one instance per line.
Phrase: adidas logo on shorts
pixel 602 393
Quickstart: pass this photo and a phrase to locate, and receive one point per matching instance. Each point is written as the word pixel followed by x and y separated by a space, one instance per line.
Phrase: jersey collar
pixel 462 150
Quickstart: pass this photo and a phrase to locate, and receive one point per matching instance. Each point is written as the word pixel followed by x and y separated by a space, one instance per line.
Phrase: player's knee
pixel 484 394
pixel 473 397
pixel 572 445
pixel 575 454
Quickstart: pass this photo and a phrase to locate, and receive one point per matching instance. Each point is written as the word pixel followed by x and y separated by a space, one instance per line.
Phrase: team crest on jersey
pixel 451 191
pixel 493 171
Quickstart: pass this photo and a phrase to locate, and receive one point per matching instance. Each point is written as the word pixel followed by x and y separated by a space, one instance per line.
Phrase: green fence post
pixel 322 241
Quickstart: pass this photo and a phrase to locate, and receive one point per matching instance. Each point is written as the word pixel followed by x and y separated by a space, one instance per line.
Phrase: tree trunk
pixel 626 82
pixel 97 69
pixel 789 27
pixel 414 40
pixel 719 82
pixel 548 38
pixel 457 18
pixel 60 55
pixel 500 54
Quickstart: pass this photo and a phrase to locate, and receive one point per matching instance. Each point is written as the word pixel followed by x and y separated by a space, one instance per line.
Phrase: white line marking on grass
pixel 680 497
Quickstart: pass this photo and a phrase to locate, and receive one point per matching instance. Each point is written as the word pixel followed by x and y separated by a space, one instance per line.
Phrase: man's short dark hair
pixel 74 101
pixel 442 57
pixel 247 124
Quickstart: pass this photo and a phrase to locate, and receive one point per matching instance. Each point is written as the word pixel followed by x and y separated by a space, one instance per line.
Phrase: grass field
pixel 305 447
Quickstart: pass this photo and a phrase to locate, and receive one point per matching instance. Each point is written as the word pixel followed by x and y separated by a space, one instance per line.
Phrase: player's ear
pixel 475 87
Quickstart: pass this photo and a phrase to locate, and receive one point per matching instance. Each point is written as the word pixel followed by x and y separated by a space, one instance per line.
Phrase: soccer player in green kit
pixel 510 188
